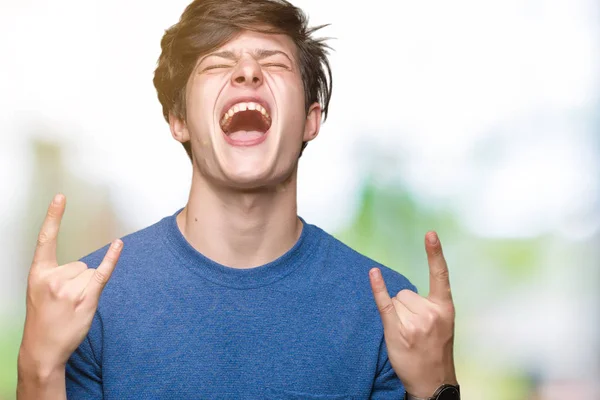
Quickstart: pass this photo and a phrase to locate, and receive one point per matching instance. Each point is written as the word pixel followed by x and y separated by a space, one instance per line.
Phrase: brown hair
pixel 206 25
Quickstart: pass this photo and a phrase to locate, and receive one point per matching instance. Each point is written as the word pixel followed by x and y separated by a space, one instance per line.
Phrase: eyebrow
pixel 258 54
pixel 263 53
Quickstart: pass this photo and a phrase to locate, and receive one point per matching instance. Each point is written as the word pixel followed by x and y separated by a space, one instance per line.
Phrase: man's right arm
pixel 37 382
pixel 61 303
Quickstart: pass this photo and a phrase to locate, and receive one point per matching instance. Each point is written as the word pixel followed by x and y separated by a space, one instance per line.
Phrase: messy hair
pixel 205 25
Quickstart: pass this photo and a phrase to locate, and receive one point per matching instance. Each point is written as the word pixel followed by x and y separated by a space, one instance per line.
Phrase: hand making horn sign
pixel 419 331
pixel 61 302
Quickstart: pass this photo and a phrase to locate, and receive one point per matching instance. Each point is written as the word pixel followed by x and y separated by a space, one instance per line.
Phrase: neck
pixel 241 229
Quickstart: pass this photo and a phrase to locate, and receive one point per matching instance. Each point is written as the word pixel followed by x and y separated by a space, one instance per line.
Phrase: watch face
pixel 448 393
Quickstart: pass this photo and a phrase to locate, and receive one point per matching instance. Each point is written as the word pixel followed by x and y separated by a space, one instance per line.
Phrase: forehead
pixel 248 41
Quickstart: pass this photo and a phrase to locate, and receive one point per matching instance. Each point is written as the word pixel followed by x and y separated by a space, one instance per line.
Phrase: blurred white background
pixel 486 111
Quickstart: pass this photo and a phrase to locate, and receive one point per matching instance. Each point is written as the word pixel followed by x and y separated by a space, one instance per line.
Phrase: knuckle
pixel 449 312
pixel 53 211
pixel 421 328
pixel 410 331
pixel 100 277
pixel 76 297
pixel 43 238
pixel 64 294
pixel 432 316
pixel 436 251
pixel 379 286
pixel 110 257
pixel 410 341
pixel 430 320
pixel 54 286
pixel 442 274
pixel 386 308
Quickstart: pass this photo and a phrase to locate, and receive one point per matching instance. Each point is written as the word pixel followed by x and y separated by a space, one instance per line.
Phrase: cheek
pixel 200 103
pixel 291 102
pixel 297 110
pixel 297 94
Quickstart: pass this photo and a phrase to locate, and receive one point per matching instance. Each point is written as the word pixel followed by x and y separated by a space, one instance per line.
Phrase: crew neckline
pixel 247 278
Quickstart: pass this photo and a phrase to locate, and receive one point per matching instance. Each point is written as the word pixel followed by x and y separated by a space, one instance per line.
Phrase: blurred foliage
pixel 10 339
pixel 390 226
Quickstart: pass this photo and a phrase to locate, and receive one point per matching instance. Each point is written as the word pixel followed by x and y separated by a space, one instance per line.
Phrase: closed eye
pixel 275 65
pixel 216 66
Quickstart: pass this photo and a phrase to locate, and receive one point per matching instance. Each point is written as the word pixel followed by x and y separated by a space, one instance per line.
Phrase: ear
pixel 179 129
pixel 313 122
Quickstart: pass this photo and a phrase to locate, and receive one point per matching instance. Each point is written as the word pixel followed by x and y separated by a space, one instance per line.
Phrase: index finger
pixel 382 298
pixel 439 277
pixel 45 250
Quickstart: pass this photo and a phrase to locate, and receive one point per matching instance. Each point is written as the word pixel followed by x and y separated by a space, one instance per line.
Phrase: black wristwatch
pixel 444 392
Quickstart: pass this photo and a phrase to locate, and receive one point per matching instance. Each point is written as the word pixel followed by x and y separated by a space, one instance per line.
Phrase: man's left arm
pixel 419 331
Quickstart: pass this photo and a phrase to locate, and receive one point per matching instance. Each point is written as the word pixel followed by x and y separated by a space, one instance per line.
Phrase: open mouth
pixel 245 121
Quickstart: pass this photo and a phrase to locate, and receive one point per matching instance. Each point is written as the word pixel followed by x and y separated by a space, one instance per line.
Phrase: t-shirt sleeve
pixel 387 385
pixel 83 371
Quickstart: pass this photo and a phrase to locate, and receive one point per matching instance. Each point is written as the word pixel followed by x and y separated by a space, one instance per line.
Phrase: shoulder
pixel 353 266
pixel 143 251
pixel 138 272
pixel 135 245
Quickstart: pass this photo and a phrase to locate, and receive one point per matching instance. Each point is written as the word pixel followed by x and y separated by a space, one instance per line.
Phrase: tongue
pixel 245 135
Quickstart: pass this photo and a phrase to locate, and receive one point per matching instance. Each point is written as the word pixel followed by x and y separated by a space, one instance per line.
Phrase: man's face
pixel 246 115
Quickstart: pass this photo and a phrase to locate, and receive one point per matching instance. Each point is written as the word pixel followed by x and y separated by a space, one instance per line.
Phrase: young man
pixel 235 296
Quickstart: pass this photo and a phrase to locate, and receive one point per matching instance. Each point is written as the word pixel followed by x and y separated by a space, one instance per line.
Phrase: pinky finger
pixel 102 274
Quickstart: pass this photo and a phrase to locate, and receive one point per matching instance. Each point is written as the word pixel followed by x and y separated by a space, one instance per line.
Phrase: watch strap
pixel 444 392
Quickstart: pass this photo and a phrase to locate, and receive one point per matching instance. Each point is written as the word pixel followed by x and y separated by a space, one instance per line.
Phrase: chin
pixel 246 176
pixel 256 176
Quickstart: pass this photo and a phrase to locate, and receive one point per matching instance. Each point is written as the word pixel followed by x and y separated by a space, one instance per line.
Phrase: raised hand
pixel 61 301
pixel 419 331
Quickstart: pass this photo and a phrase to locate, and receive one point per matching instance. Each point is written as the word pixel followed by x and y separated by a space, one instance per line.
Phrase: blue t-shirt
pixel 172 324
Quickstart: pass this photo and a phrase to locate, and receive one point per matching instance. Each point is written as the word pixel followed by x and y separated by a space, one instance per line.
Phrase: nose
pixel 247 73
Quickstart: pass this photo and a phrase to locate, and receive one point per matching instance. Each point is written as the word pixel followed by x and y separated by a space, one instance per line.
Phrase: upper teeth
pixel 243 107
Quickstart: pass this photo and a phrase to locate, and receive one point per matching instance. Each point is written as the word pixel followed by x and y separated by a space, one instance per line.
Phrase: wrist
pixel 426 390
pixel 38 371
pixel 446 391
pixel 41 384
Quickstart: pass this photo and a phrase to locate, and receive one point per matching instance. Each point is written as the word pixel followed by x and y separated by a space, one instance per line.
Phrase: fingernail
pixel 57 199
pixel 117 244
pixel 375 273
pixel 432 238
